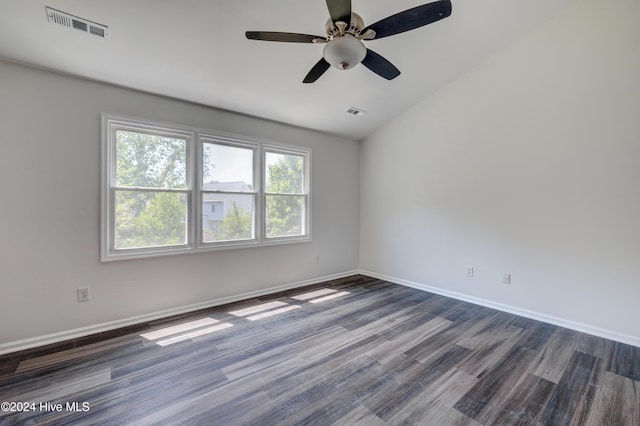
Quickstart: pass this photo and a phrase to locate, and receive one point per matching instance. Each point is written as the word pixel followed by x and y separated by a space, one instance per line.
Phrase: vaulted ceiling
pixel 196 50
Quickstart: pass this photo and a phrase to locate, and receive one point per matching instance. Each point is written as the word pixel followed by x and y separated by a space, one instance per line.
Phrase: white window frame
pixel 306 205
pixel 194 188
pixel 237 143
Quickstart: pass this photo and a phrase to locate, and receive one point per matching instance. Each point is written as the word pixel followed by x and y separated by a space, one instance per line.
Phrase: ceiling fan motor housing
pixel 354 27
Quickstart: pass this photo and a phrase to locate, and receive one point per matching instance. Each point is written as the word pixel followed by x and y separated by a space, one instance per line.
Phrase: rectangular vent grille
pixel 67 20
pixel 356 111
pixel 79 25
pixel 98 31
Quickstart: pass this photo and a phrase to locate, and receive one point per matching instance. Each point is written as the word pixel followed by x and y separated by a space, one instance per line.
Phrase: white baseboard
pixel 549 319
pixel 48 339
pixel 34 342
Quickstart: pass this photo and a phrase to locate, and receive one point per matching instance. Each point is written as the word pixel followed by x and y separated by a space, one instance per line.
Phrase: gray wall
pixel 49 215
pixel 529 164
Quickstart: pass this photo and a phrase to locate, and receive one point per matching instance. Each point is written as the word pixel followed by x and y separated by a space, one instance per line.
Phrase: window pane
pixel 150 219
pixel 150 161
pixel 227 168
pixel 284 173
pixel 227 217
pixel 284 215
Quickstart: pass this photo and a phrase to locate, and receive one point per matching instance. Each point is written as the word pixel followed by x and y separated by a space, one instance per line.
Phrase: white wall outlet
pixel 506 278
pixel 317 259
pixel 83 294
pixel 469 271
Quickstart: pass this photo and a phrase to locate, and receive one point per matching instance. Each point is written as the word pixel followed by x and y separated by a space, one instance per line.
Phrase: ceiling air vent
pixel 66 20
pixel 356 111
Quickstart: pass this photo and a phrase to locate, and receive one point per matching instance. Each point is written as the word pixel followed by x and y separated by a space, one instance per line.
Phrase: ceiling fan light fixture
pixel 345 31
pixel 344 52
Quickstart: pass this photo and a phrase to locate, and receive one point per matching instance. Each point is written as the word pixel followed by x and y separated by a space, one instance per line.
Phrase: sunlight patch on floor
pixel 193 334
pixel 314 294
pixel 258 308
pixel 185 331
pixel 329 297
pixel 273 312
pixel 269 309
pixel 318 296
pixel 180 328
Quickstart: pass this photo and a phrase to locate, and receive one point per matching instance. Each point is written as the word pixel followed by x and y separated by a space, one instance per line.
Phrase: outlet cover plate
pixel 83 294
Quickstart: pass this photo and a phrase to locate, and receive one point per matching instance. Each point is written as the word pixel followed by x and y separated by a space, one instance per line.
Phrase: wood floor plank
pixel 333 406
pixel 489 343
pixel 92 350
pixel 617 402
pixel 390 402
pixel 313 369
pixel 391 319
pixel 72 384
pixel 359 416
pixel 536 335
pixel 573 396
pixel 400 344
pixel 375 354
pixel 434 405
pixel 590 345
pixel 554 357
pixel 525 404
pixel 495 384
pixel 302 403
pixel 435 344
pixel 625 361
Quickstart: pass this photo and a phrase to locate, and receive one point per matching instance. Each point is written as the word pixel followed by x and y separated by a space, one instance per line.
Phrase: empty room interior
pixel 321 212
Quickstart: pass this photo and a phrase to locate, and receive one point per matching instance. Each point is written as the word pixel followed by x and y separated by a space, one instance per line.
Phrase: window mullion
pixel 196 192
pixel 258 179
pixel 139 189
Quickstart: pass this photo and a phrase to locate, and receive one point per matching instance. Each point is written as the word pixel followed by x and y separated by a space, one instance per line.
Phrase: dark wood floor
pixel 352 351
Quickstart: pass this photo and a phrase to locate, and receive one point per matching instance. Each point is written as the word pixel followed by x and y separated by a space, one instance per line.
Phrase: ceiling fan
pixel 345 31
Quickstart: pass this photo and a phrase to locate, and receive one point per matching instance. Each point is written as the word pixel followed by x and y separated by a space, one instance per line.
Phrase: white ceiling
pixel 196 50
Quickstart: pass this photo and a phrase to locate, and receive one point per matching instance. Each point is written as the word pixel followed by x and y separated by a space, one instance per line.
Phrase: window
pixel 285 195
pixel 168 190
pixel 228 181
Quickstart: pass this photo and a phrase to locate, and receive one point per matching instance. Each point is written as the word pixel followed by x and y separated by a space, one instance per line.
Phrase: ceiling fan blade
pixel 340 10
pixel 318 69
pixel 286 37
pixel 380 65
pixel 411 19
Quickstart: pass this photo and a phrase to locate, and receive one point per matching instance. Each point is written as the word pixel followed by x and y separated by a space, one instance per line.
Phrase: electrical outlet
pixel 83 294
pixel 317 259
pixel 506 278
pixel 469 271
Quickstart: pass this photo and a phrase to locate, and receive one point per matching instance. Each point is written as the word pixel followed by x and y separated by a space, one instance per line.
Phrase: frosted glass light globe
pixel 344 52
